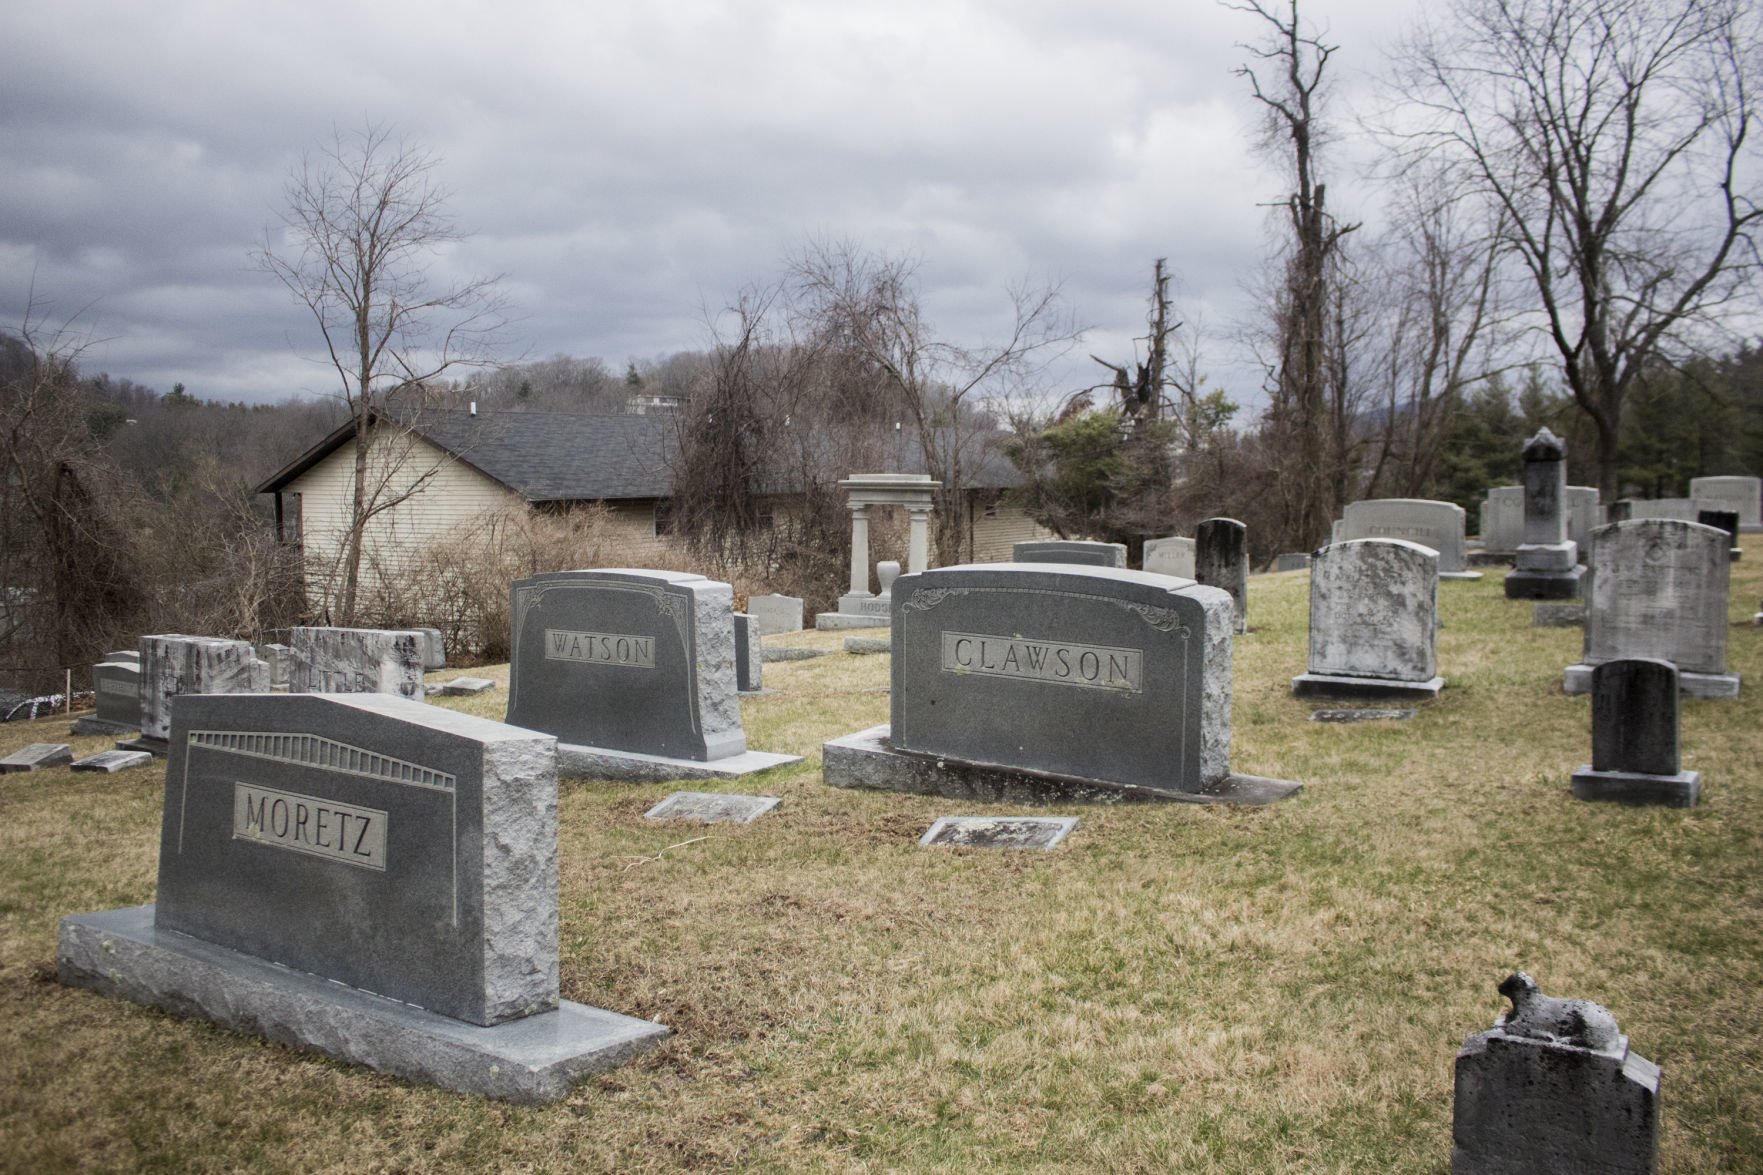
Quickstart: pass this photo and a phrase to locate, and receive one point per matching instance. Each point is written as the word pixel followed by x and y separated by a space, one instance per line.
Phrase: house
pixel 439 469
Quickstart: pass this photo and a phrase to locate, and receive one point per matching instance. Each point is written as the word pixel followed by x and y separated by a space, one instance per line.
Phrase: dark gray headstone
pixel 37 756
pixel 1546 564
pixel 749 655
pixel 358 661
pixel 1635 755
pixel 110 762
pixel 1727 520
pixel 1221 560
pixel 999 832
pixel 116 691
pixel 640 661
pixel 173 664
pixel 1079 551
pixel 712 807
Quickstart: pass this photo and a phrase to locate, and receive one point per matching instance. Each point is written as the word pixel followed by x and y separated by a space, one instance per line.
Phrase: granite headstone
pixel 174 664
pixel 749 655
pixel 1079 551
pixel 1373 621
pixel 1439 525
pixel 1546 564
pixel 1221 560
pixel 358 661
pixel 1170 556
pixel 1741 494
pixel 36 756
pixel 1635 757
pixel 775 614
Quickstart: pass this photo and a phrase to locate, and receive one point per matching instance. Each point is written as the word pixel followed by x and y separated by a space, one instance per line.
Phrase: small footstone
pixel 793 653
pixel 999 832
pixel 712 807
pixel 1362 714
pixel 110 762
pixel 37 756
pixel 463 686
pixel 863 645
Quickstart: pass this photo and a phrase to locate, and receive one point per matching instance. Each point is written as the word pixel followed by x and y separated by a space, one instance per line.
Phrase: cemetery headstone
pixel 1553 1087
pixel 358 661
pixel 1171 556
pixel 36 756
pixel 999 832
pixel 1659 590
pixel 712 807
pixel 1727 520
pixel 116 693
pixel 1741 494
pixel 633 671
pixel 174 664
pixel 1584 515
pixel 1079 551
pixel 1292 561
pixel 434 655
pixel 1502 519
pixel 1679 509
pixel 1041 682
pixel 110 762
pixel 365 876
pixel 280 659
pixel 775 613
pixel 749 655
pixel 1373 621
pixel 1621 510
pixel 1439 525
pixel 1221 560
pixel 1546 564
pixel 1635 758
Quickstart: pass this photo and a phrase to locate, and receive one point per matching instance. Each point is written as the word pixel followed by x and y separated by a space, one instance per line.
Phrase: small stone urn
pixel 887 571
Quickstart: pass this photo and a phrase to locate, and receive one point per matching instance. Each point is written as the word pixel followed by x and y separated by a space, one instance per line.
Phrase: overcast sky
pixel 629 166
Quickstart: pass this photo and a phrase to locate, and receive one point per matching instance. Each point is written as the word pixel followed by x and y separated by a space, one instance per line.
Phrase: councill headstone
pixel 1079 551
pixel 358 661
pixel 1553 1087
pixel 174 664
pixel 1054 683
pixel 775 613
pixel 116 693
pixel 1439 525
pixel 1171 556
pixel 749 655
pixel 712 807
pixel 1502 519
pixel 1373 621
pixel 1584 515
pixel 1635 756
pixel 1547 563
pixel 999 832
pixel 634 672
pixel 1742 494
pixel 1221 560
pixel 1659 589
pixel 365 876
pixel 36 756
pixel 1727 520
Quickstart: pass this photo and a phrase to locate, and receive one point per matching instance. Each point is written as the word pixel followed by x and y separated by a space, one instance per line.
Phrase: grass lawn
pixel 1176 988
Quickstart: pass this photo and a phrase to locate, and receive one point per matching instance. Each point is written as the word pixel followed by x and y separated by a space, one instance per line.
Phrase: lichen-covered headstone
pixel 1373 621
pixel 173 664
pixel 1170 556
pixel 1546 564
pixel 1221 560
pixel 358 661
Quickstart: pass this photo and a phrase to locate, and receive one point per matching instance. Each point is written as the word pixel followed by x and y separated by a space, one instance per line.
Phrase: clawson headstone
pixel 633 671
pixel 365 876
pixel 1635 758
pixel 116 694
pixel 775 613
pixel 35 757
pixel 1502 519
pixel 1221 560
pixel 1042 682
pixel 749 655
pixel 1741 494
pixel 1171 556
pixel 358 661
pixel 1079 551
pixel 1439 525
pixel 1546 564
pixel 110 762
pixel 173 664
pixel 1584 515
pixel 999 832
pixel 1373 621
pixel 712 807
pixel 1659 590
pixel 1727 520
pixel 1553 1087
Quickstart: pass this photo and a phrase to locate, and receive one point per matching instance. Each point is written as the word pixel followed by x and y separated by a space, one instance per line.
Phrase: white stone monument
pixel 860 607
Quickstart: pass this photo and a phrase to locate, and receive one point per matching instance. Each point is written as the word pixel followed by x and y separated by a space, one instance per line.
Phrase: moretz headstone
pixel 998 832
pixel 36 756
pixel 358 661
pixel 1171 556
pixel 1743 494
pixel 1373 621
pixel 1039 682
pixel 366 876
pixel 1727 520
pixel 110 762
pixel 173 664
pixel 1439 525
pixel 775 614
pixel 749 655
pixel 116 694
pixel 1658 589
pixel 1221 560
pixel 633 671
pixel 1502 518
pixel 712 807
pixel 1079 551
pixel 1553 1088
pixel 1546 564
pixel 1635 757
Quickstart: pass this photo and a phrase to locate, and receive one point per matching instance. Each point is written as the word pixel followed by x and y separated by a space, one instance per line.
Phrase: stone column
pixel 859 550
pixel 918 540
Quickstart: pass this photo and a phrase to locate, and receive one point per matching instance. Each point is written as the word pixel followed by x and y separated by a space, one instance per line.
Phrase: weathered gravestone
pixel 1439 525
pixel 634 672
pixel 1553 1088
pixel 1635 756
pixel 434 651
pixel 999 832
pixel 749 655
pixel 1546 564
pixel 367 877
pixel 1659 589
pixel 1741 494
pixel 1373 621
pixel 1171 556
pixel 1221 560
pixel 116 695
pixel 1079 551
pixel 174 664
pixel 1502 519
pixel 280 659
pixel 1678 509
pixel 1584 515
pixel 1292 561
pixel 36 756
pixel 110 762
pixel 775 614
pixel 1053 683
pixel 358 661
pixel 1727 520
pixel 712 807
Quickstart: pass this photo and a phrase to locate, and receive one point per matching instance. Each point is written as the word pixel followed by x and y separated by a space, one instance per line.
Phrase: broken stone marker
pixel 37 756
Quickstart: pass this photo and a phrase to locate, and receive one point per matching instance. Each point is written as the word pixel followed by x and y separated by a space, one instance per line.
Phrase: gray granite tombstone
pixel 434 651
pixel 633 671
pixel 1171 556
pixel 1502 519
pixel 110 762
pixel 749 655
pixel 365 876
pixel 999 832
pixel 1635 757
pixel 1584 515
pixel 1743 495
pixel 1292 561
pixel 1659 590
pixel 174 664
pixel 712 807
pixel 1546 564
pixel 280 659
pixel 36 756
pixel 1079 551
pixel 775 614
pixel 1221 560
pixel 1039 682
pixel 1553 1088
pixel 1439 525
pixel 358 661
pixel 1727 520
pixel 116 694
pixel 1373 621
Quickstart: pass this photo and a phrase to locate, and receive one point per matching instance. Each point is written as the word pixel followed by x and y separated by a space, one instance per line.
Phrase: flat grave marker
pixel 36 757
pixel 110 762
pixel 712 807
pixel 999 832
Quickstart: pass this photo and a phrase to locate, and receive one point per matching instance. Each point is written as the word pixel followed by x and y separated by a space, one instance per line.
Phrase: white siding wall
pixel 993 537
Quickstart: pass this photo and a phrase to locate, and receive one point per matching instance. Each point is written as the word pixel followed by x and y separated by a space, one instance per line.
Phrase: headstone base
pixel 575 761
pixel 1578 680
pixel 1460 575
pixel 1632 787
pixel 867 760
pixel 1326 685
pixel 1545 585
pixel 534 1059
pixel 828 621
pixel 159 748
pixel 92 724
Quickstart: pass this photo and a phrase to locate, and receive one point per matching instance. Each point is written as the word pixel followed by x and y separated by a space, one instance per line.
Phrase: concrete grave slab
pixel 999 832
pixel 110 762
pixel 37 756
pixel 461 687
pixel 712 807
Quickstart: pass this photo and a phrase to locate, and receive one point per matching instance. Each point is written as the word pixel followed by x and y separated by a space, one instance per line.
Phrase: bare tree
pixel 1616 138
pixel 363 223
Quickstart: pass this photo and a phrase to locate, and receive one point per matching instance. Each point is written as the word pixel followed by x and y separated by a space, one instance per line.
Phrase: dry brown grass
pixel 1176 988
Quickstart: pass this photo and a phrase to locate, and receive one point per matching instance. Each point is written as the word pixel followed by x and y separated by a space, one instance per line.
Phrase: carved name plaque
pixel 602 648
pixel 306 824
pixel 1091 666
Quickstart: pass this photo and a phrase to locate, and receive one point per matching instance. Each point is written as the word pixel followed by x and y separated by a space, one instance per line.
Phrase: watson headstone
pixel 1439 525
pixel 1171 556
pixel 775 613
pixel 1373 621
pixel 173 664
pixel 1546 564
pixel 1079 551
pixel 1741 494
pixel 1635 758
pixel 1221 560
